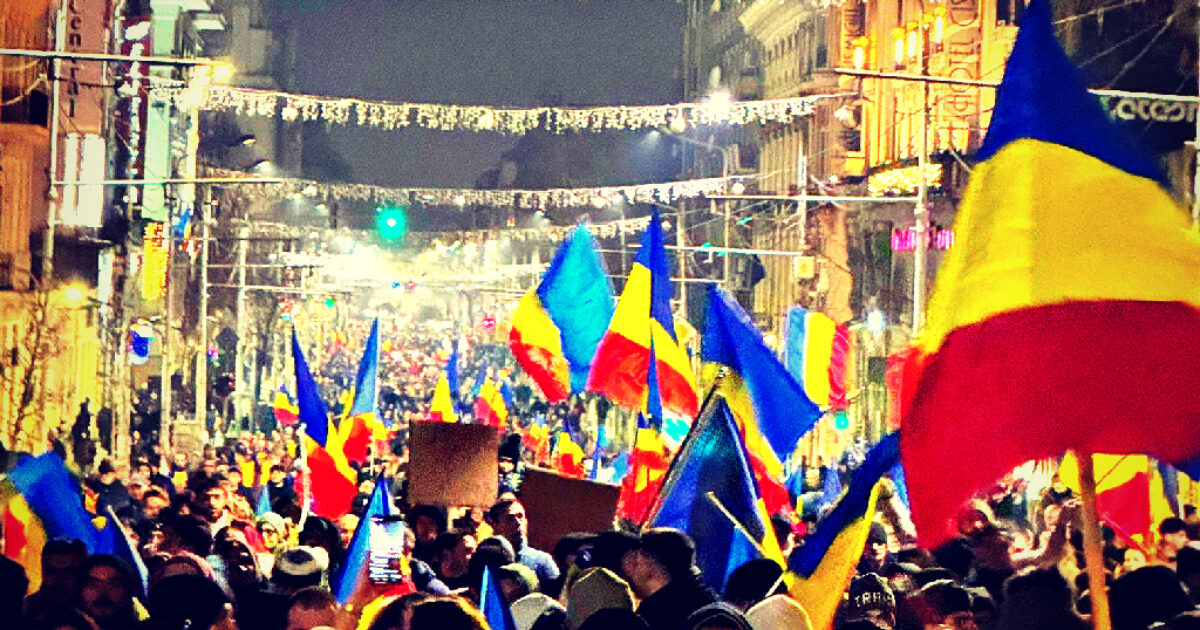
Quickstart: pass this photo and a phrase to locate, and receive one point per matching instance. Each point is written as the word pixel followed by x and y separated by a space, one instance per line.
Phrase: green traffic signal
pixel 392 222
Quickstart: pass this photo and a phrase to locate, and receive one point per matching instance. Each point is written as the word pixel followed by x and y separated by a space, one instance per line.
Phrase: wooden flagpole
pixel 1093 544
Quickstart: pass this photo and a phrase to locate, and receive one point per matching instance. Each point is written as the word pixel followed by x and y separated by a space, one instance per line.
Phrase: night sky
pixel 498 52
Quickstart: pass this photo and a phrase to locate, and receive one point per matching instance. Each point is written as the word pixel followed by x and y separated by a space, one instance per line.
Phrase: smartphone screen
pixel 386 550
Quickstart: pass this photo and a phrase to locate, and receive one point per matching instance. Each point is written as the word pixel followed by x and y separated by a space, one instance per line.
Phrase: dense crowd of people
pixel 228 542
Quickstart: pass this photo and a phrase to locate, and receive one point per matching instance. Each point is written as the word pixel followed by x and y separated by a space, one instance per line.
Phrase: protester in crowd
pixel 454 556
pixel 190 602
pixel 62 563
pixel 507 518
pixel 13 586
pixel 660 566
pixel 311 608
pixel 107 590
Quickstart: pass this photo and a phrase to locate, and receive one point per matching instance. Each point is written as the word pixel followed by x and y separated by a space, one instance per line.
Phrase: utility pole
pixel 920 210
pixel 239 372
pixel 681 241
pixel 1196 150
pixel 164 398
pixel 202 357
pixel 53 198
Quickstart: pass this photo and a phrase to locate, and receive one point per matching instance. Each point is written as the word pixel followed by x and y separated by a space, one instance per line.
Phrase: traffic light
pixel 391 222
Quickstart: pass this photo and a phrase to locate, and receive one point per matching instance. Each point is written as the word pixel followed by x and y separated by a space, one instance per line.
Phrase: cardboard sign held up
pixel 557 505
pixel 453 464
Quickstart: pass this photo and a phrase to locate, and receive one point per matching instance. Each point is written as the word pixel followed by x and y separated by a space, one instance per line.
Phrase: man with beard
pixel 212 504
pixel 106 591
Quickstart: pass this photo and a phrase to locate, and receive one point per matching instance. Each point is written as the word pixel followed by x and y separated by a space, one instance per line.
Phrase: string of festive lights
pixel 462 198
pixel 678 117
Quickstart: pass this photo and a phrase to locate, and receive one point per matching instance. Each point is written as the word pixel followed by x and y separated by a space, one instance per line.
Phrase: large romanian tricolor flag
pixel 557 326
pixel 361 424
pixel 1067 315
pixel 820 571
pixel 815 354
pixel 771 410
pixel 441 408
pixel 642 329
pixel 330 477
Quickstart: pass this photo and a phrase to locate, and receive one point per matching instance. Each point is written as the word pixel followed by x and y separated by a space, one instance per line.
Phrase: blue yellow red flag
pixel 643 330
pixel 1086 317
pixel 557 326
pixel 360 424
pixel 332 481
pixel 815 352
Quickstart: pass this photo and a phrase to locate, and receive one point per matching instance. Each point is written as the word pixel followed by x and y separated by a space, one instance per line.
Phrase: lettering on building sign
pixel 959 103
pixel 905 240
pixel 131 116
pixel 84 89
pixel 1149 110
pixel 154 265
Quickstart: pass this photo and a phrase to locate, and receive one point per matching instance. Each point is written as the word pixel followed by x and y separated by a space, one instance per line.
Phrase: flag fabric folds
pixel 489 406
pixel 815 353
pixel 643 330
pixel 493 605
pixel 1130 496
pixel 711 468
pixel 648 464
pixel 568 456
pixel 820 571
pixel 771 409
pixel 331 480
pixel 1068 308
pixel 557 326
pixel 286 411
pixel 358 554
pixel 361 425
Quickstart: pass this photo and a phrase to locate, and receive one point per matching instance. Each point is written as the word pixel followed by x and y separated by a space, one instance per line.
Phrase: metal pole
pixel 727 266
pixel 202 357
pixel 681 240
pixel 239 373
pixel 52 196
pixel 164 371
pixel 920 211
pixel 59 53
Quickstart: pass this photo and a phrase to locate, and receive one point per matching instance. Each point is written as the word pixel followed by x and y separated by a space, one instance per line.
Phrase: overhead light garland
pixel 513 121
pixel 598 196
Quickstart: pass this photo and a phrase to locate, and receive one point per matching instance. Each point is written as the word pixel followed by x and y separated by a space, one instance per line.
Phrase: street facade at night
pixel 599 314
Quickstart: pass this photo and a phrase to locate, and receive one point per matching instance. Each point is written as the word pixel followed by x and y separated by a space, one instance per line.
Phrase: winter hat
pixel 106 467
pixel 877 534
pixel 753 582
pixel 274 520
pixel 526 610
pixel 181 602
pixel 778 612
pixel 300 567
pixel 871 593
pixel 520 573
pixel 724 614
pixel 510 448
pixel 597 589
pixel 944 598
pixel 611 618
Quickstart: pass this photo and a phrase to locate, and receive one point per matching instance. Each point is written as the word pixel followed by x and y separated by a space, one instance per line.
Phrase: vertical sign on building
pixel 82 149
pixel 154 265
pixel 132 108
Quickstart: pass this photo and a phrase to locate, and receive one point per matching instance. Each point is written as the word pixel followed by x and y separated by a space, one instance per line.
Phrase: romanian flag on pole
pixel 820 571
pixel 770 408
pixel 286 411
pixel 643 329
pixel 1130 495
pixel 331 480
pixel 648 464
pixel 359 552
pixel 710 493
pixel 1067 315
pixel 489 406
pixel 557 326
pixel 815 354
pixel 360 426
